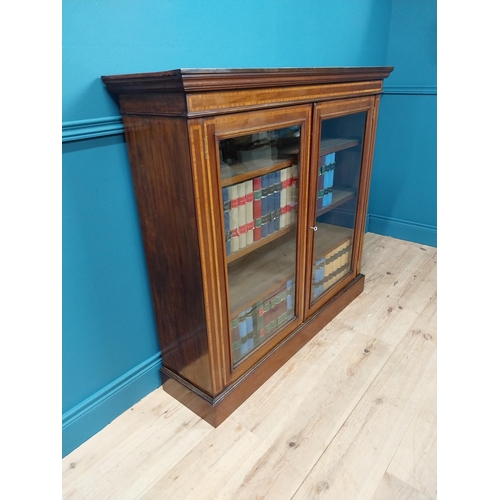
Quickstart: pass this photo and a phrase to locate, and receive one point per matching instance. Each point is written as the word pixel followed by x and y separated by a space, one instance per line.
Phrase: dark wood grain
pixel 216 410
pixel 173 123
pixel 193 80
pixel 160 162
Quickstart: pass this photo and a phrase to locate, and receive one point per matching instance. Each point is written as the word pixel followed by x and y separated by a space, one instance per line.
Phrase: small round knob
pixel 314 228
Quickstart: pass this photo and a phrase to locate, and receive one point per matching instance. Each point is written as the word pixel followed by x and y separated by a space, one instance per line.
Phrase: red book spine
pixel 257 208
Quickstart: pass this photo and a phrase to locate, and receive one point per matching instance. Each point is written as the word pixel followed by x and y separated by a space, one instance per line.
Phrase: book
pixel 274 313
pixel 249 212
pixel 265 205
pixel 226 205
pixel 242 217
pixel 290 296
pixel 319 274
pixel 250 331
pixel 283 181
pixel 233 218
pixel 327 267
pixel 271 202
pixel 321 189
pixel 267 317
pixel 277 200
pixel 295 192
pixel 282 317
pixel 261 331
pixel 321 182
pixel 235 339
pixel 288 193
pixel 257 208
pixel 242 325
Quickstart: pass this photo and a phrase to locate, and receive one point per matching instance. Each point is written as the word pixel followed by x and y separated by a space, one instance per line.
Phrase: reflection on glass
pixel 259 177
pixel 339 171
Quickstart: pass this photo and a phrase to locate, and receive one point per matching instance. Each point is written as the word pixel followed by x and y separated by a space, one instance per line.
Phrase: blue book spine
pixel 289 298
pixel 265 205
pixel 269 203
pixel 242 325
pixel 271 207
pixel 250 332
pixel 319 274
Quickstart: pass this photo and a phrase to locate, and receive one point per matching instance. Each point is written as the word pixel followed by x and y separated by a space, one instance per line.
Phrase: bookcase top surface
pixel 210 79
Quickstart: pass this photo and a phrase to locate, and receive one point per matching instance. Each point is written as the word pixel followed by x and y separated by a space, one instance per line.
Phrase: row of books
pixel 325 181
pixel 330 269
pixel 256 208
pixel 259 322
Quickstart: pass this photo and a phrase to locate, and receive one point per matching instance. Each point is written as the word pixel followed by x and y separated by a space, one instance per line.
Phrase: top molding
pixel 199 80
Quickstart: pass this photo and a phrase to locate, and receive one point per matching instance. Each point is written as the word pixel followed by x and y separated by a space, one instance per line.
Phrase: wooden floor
pixel 350 416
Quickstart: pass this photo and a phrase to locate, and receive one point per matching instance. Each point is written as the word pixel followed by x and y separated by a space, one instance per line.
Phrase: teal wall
pixel 403 191
pixel 110 352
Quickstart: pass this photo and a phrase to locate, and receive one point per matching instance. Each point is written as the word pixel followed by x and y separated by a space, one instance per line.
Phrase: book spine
pixel 282 308
pixel 288 195
pixel 330 167
pixel 271 203
pixel 295 192
pixel 330 263
pixel 319 274
pixel 267 317
pixel 235 339
pixel 257 208
pixel 265 204
pixel 242 325
pixel 261 330
pixel 321 186
pixel 277 198
pixel 290 296
pixel 226 205
pixel 250 224
pixel 250 330
pixel 233 218
pixel 274 313
pixel 332 174
pixel 242 218
pixel 282 174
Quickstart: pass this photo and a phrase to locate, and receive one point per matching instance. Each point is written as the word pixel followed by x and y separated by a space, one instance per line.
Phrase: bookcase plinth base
pixel 216 409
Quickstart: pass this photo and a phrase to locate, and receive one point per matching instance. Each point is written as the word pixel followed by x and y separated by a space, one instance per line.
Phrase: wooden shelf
pixel 258 244
pixel 239 172
pixel 327 146
pixel 259 274
pixel 328 237
pixel 333 145
pixel 339 196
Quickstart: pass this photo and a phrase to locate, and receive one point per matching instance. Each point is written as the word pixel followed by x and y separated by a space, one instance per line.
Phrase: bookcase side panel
pixel 208 219
pixel 160 163
pixel 366 179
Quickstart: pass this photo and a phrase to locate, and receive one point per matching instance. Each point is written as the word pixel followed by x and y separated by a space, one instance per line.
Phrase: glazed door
pixel 340 154
pixel 260 162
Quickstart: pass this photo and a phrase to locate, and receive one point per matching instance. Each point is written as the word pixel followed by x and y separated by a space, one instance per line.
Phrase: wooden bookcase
pixel 252 190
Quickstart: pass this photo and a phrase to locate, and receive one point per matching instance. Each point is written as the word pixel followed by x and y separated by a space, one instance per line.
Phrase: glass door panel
pixel 259 179
pixel 339 169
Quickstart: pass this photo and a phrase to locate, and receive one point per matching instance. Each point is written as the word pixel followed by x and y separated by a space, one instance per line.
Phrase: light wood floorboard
pixel 351 416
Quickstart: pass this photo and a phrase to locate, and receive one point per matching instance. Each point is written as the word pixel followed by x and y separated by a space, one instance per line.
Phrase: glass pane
pixel 260 176
pixel 339 171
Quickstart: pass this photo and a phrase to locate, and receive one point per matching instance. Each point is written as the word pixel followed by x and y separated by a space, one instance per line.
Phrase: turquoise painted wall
pixel 110 351
pixel 403 195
